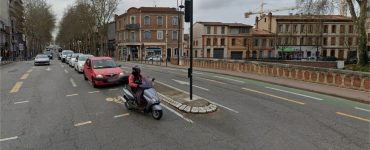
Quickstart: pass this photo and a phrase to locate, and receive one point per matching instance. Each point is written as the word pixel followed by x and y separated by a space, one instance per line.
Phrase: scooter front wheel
pixel 157 114
pixel 128 106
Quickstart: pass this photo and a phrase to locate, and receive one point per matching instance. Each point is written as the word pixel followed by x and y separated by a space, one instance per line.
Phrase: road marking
pixel 210 80
pixel 25 76
pixel 355 117
pixel 16 87
pixel 229 79
pixel 363 109
pixel 123 115
pixel 113 89
pixel 94 92
pixel 83 123
pixel 224 107
pixel 294 93
pixel 62 66
pixel 187 83
pixel 48 69
pixel 73 82
pixel 65 70
pixel 178 114
pixel 71 95
pixel 194 96
pixel 21 102
pixel 282 98
pixel 29 71
pixel 7 139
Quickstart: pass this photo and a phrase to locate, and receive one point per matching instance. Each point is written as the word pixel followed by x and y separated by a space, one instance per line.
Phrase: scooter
pixel 150 96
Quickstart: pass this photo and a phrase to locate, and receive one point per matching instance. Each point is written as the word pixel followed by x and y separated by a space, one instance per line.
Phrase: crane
pixel 261 11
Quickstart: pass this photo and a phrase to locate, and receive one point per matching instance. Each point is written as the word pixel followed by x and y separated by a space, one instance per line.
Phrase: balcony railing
pixel 132 27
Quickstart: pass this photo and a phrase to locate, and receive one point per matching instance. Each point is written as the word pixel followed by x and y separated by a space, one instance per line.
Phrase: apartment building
pixel 221 40
pixel 4 27
pixel 17 39
pixel 147 31
pixel 302 36
pixel 262 45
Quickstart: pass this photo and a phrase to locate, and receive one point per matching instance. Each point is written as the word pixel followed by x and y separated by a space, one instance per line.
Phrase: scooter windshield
pixel 147 83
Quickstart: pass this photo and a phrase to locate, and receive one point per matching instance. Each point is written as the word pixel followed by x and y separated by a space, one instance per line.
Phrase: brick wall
pixel 327 76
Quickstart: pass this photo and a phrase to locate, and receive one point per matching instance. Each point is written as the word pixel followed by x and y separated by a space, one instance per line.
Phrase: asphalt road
pixel 53 107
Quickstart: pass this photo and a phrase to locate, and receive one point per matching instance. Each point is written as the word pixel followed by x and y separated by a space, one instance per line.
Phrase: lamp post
pixel 179 33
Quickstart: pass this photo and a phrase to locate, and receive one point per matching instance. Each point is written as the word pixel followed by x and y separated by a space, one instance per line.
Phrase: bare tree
pixel 358 17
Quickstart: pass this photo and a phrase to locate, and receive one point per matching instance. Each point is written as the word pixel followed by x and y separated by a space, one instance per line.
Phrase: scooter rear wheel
pixel 157 114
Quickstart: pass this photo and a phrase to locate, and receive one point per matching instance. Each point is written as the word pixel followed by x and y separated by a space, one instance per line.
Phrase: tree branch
pixel 352 10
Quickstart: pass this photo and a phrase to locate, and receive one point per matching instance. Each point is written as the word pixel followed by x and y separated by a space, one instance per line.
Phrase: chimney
pixel 256 22
pixel 270 21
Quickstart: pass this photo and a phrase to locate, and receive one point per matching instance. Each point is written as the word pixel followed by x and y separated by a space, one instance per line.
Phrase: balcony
pixel 132 27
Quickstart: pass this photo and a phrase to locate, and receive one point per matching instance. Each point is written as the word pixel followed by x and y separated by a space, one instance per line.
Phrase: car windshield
pixel 107 63
pixel 42 56
pixel 47 53
pixel 83 57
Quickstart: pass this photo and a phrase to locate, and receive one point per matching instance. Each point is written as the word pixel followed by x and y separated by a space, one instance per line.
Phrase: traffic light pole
pixel 189 18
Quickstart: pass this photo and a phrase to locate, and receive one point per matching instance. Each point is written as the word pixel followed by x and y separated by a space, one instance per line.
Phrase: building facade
pixel 17 38
pixel 368 27
pixel 262 45
pixel 4 28
pixel 221 40
pixel 147 31
pixel 303 36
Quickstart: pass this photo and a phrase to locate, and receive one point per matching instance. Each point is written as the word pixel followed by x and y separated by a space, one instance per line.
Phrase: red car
pixel 102 71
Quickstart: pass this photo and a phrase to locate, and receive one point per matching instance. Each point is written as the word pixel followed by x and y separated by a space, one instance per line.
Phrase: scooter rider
pixel 135 80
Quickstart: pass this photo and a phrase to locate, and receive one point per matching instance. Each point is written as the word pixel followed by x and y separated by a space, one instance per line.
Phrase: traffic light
pixel 188 10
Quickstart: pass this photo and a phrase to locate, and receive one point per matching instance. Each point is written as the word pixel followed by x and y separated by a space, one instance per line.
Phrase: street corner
pixel 199 106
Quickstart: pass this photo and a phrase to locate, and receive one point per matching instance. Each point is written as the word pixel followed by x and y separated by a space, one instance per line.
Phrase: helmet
pixel 136 70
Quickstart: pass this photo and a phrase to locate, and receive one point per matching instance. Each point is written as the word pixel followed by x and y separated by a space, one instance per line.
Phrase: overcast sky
pixel 204 10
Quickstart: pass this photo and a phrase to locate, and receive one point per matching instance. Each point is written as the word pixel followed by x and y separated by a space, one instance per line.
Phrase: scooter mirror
pixel 153 79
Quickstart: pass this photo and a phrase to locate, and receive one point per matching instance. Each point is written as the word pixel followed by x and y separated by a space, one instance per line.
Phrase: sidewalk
pixel 354 95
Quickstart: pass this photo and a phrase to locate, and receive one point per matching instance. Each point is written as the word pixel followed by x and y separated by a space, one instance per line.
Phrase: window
pixel 146 20
pixel 310 29
pixel 333 28
pixel 160 20
pixel 302 28
pixel 264 42
pixel 301 41
pixel 245 42
pixel 208 30
pixel 271 42
pixel 132 36
pixel 309 41
pixel 208 42
pixel 341 41
pixel 147 35
pixel 119 24
pixel 332 41
pixel 265 19
pixel 222 42
pixel 159 35
pixel 294 41
pixel 295 29
pixel 332 52
pixel 326 28
pixel 355 41
pixel 132 20
pixel 325 41
pixel 255 42
pixel 215 42
pixel 350 30
pixel 233 42
pixel 215 30
pixel 175 20
pixel 341 28
pixel 222 30
pixel 280 28
pixel 350 41
pixel 174 35
pixel 287 28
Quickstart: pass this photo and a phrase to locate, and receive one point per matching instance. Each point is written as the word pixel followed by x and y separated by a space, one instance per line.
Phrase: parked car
pixel 68 58
pixel 102 71
pixel 73 59
pixel 42 59
pixel 80 62
pixel 65 53
pixel 154 58
pixel 49 54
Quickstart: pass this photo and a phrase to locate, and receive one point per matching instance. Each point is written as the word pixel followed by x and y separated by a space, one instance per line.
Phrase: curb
pixel 6 62
pixel 188 109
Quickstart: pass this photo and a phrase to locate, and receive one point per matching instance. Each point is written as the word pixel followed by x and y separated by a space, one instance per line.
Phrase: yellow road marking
pixel 29 71
pixel 16 87
pixel 83 123
pixel 355 117
pixel 282 98
pixel 25 76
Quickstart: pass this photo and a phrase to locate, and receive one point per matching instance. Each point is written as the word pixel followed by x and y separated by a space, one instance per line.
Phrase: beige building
pixel 302 36
pixel 368 27
pixel 262 45
pixel 147 31
pixel 221 40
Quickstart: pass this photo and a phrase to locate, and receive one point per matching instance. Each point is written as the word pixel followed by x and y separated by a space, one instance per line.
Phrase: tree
pixel 358 18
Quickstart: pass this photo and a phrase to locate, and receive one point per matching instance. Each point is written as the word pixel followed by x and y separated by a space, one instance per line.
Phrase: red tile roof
pixel 224 24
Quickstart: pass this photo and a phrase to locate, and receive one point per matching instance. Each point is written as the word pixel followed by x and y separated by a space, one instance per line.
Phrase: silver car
pixel 42 59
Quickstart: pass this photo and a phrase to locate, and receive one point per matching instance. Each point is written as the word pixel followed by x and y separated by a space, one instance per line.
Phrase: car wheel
pixel 85 77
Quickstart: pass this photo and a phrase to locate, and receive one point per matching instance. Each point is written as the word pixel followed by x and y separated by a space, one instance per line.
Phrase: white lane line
pixel 178 114
pixel 93 92
pixel 71 95
pixel 73 82
pixel 48 69
pixel 197 73
pixel 10 138
pixel 113 89
pixel 83 123
pixel 65 70
pixel 294 93
pixel 229 79
pixel 187 83
pixel 123 115
pixel 200 88
pixel 21 102
pixel 194 96
pixel 210 80
pixel 224 107
pixel 363 109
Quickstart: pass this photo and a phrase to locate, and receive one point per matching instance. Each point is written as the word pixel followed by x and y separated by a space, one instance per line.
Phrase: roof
pixel 99 58
pixel 157 9
pixel 305 17
pixel 224 24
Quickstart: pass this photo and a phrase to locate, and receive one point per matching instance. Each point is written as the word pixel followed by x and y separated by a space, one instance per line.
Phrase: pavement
pixel 53 107
pixel 350 94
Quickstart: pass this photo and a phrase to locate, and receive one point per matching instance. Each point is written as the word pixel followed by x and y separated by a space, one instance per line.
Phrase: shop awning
pixel 288 49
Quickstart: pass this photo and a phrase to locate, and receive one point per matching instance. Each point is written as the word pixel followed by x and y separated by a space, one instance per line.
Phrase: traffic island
pixel 180 100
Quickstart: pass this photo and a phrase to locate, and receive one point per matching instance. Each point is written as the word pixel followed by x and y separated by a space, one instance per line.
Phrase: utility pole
pixel 189 18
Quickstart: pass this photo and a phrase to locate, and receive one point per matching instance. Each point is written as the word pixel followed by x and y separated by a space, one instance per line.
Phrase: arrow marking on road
pixel 21 102
pixel 229 79
pixel 65 70
pixel 73 82
pixel 363 109
pixel 187 83
pixel 7 139
pixel 282 98
pixel 294 93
